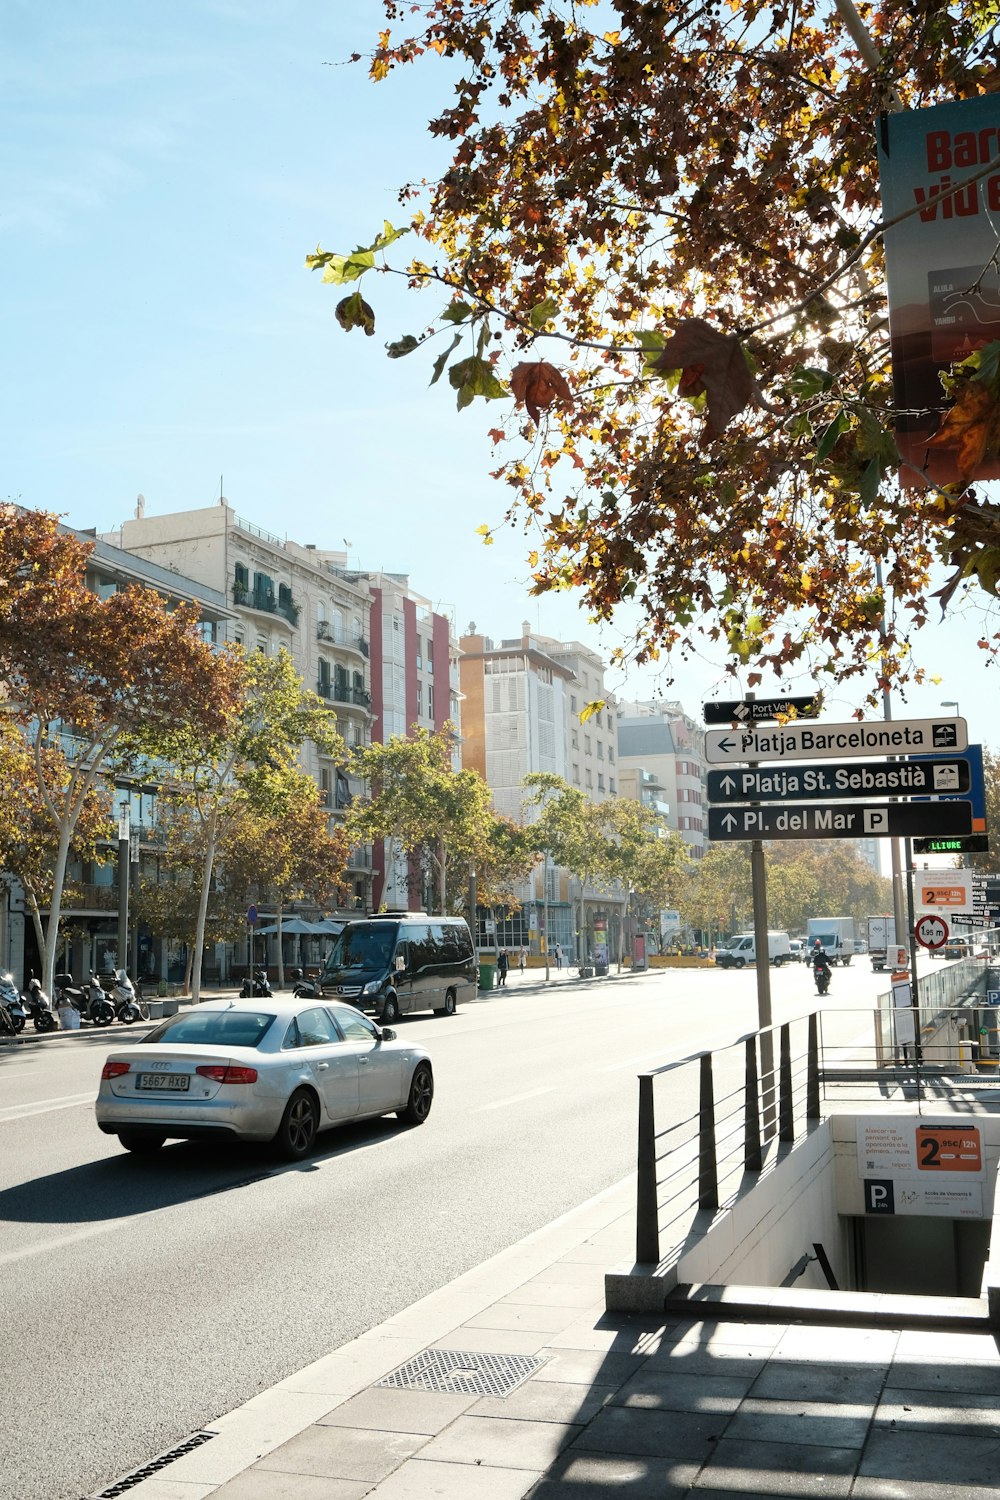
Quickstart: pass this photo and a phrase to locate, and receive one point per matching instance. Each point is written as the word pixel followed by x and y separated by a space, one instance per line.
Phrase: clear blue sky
pixel 165 170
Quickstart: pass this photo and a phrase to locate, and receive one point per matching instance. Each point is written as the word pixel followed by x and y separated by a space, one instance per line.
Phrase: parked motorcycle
pixel 303 988
pixel 127 1000
pixel 257 989
pixel 10 997
pixel 89 999
pixel 10 1021
pixel 39 1007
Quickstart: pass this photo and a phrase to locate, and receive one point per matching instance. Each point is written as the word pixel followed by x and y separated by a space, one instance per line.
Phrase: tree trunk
pixel 206 886
pixel 55 910
pixel 281 955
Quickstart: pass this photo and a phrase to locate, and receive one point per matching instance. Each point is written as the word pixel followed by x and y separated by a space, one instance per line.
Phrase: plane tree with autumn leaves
pixel 656 250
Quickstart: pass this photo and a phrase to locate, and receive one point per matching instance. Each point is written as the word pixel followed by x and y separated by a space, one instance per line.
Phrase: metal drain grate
pixel 463 1372
pixel 154 1466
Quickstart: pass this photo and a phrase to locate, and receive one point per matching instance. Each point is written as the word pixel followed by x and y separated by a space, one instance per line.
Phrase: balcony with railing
pixel 266 601
pixel 343 692
pixel 337 635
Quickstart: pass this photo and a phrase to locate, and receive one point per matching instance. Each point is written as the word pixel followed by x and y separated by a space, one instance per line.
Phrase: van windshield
pixel 363 947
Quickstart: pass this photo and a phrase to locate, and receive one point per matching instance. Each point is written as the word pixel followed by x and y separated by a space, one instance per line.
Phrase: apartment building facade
pixel 303 598
pixel 659 738
pixel 522 701
pixel 414 684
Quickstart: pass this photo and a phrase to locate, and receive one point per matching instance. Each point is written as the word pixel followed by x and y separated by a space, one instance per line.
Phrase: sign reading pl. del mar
pixel 817 741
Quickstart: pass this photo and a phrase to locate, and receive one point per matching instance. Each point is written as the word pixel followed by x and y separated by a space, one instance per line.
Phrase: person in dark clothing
pixel 503 964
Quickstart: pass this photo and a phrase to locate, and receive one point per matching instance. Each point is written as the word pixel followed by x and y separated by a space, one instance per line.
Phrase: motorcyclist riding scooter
pixel 822 970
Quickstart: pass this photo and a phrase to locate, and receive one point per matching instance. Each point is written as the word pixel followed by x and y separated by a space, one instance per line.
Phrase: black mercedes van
pixel 399 963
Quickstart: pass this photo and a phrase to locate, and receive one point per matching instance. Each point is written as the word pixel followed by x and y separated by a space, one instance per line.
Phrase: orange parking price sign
pixel 943 1149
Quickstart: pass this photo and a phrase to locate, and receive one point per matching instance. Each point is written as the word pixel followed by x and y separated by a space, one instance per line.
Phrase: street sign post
pixel 808 741
pixel 896 778
pixel 843 821
pixel 753 710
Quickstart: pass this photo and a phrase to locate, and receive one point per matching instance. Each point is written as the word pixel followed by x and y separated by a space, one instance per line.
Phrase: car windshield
pixel 363 947
pixel 214 1028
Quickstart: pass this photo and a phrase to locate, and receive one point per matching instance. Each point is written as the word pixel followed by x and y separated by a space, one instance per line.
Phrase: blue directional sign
pixel 933 775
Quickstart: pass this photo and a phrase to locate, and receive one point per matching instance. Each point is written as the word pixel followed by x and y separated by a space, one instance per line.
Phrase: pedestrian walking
pixel 522 959
pixel 558 956
pixel 503 964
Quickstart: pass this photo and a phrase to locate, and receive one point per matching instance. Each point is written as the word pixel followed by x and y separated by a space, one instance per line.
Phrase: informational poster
pixel 915 1166
pixel 943 281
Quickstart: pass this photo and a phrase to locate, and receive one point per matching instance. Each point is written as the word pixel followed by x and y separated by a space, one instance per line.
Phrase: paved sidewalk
pixel 600 1406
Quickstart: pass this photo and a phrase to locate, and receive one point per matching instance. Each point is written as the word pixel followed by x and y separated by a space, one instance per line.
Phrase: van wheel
pixel 449 1003
pixel 741 963
pixel 390 1011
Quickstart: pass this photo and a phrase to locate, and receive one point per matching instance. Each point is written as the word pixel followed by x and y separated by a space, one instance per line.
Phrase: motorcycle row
pixel 120 1001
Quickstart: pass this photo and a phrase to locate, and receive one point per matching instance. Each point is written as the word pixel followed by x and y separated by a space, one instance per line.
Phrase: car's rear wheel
pixel 390 1010
pixel 297 1131
pixel 139 1142
pixel 418 1105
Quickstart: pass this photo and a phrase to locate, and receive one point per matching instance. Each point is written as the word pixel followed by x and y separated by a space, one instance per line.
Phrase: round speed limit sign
pixel 931 931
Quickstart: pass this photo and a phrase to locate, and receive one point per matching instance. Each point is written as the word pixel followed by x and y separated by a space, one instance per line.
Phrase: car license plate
pixel 177 1082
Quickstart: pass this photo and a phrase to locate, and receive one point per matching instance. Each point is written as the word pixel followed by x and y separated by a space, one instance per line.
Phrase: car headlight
pixel 373 987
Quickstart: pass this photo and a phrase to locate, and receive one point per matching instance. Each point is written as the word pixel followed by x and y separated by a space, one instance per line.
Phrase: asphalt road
pixel 144 1298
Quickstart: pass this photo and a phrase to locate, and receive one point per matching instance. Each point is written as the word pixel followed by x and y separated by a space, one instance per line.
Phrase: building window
pixel 600 749
pixel 430 700
pixel 611 785
pixel 590 778
pixel 611 754
pixel 576 775
pixel 430 654
pixel 586 744
pixel 600 781
pixel 572 703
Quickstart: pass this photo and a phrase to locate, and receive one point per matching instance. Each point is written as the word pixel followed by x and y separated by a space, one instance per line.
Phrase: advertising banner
pixel 943 282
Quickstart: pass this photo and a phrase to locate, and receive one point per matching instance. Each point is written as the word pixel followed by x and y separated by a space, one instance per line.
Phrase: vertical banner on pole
pixel 943 281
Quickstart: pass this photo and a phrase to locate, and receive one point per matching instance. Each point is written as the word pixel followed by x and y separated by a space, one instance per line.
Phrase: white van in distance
pixel 742 950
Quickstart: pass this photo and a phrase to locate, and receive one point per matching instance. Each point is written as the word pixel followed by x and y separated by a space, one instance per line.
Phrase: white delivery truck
pixel 881 937
pixel 836 936
pixel 742 950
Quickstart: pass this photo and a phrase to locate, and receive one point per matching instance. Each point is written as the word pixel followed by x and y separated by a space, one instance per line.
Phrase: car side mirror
pixel 387 1035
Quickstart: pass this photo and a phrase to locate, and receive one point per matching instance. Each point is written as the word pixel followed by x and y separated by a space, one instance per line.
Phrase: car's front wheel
pixel 418 1105
pixel 299 1124
pixel 139 1142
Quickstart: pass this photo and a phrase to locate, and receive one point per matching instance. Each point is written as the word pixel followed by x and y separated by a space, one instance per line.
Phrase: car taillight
pixel 114 1069
pixel 220 1073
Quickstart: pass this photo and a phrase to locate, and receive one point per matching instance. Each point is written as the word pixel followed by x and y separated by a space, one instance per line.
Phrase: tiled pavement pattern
pixel 621 1407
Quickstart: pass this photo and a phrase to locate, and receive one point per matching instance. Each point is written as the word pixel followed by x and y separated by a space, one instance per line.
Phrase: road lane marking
pixel 652 1059
pixel 10 1112
pixel 514 1099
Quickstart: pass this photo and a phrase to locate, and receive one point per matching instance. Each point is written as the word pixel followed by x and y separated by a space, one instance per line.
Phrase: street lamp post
pixel 951 703
pixel 124 852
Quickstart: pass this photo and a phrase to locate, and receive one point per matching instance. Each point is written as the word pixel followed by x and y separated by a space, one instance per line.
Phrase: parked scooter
pixel 39 1007
pixel 128 1002
pixel 259 988
pixel 12 1013
pixel 303 988
pixel 10 996
pixel 89 999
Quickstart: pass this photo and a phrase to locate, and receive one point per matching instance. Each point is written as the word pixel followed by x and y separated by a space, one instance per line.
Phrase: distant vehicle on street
pixel 275 1072
pixel 401 963
pixel 798 949
pixel 836 937
pixel 881 937
pixel 742 950
pixel 958 948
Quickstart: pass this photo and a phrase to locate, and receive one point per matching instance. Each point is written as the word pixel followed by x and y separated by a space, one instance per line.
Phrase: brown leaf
pixel 971 428
pixel 711 362
pixel 538 385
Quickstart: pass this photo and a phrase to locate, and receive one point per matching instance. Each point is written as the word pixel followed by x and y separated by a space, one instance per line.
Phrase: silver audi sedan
pixel 278 1070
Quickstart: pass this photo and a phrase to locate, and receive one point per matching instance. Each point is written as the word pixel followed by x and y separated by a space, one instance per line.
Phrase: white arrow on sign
pixel 812 740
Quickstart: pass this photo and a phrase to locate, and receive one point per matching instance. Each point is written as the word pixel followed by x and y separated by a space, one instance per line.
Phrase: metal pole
pixel 545 910
pixel 758 887
pixel 124 852
pixel 647 1219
